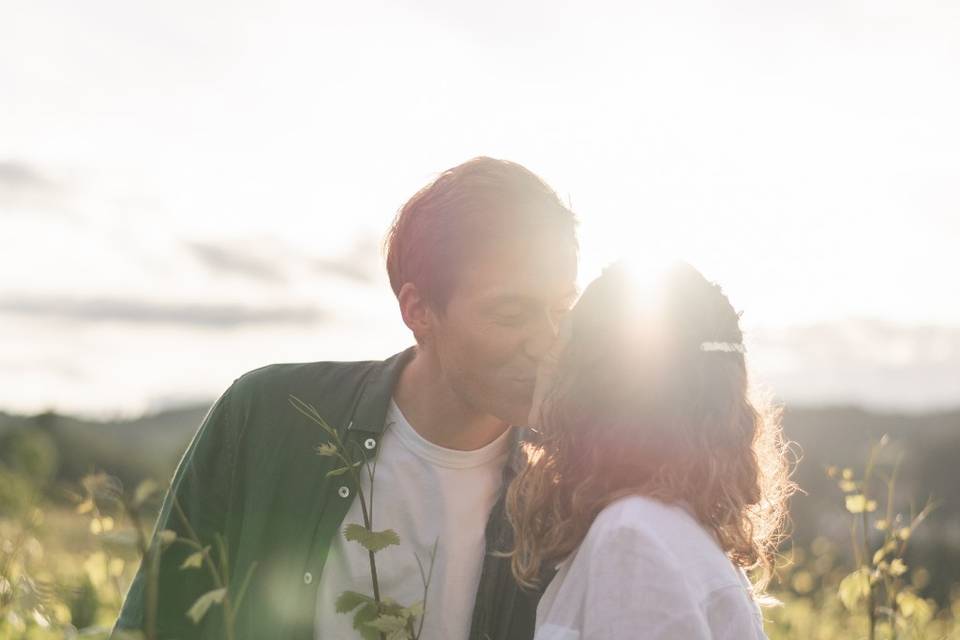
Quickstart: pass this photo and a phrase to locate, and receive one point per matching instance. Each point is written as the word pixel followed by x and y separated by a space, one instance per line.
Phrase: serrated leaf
pixel 371 540
pixel 365 614
pixel 195 560
pixel 204 602
pixel 350 600
pixel 387 623
pixel 326 449
pixel 144 490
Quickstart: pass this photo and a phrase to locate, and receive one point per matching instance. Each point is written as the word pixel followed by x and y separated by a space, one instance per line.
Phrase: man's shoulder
pixel 286 373
pixel 276 382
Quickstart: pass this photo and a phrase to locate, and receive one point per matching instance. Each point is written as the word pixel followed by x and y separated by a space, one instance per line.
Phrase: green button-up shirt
pixel 251 475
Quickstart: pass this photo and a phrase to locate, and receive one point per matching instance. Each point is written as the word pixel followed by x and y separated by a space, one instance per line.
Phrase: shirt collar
pixel 370 411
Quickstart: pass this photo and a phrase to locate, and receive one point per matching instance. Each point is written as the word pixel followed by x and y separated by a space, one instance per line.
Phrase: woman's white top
pixel 648 570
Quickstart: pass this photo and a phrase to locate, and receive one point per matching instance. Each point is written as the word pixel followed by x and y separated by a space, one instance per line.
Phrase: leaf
pixel 856 503
pixel 388 624
pixel 167 536
pixel 122 538
pixel 337 472
pixel 365 614
pixel 414 611
pixel 326 449
pixel 906 602
pixel 898 567
pixel 195 560
pixel 854 588
pixel 350 600
pixel 371 540
pixel 204 602
pixel 878 556
pixel 85 507
pixel 144 490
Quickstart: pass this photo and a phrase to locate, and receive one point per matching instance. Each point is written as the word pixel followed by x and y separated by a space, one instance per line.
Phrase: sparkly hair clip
pixel 726 347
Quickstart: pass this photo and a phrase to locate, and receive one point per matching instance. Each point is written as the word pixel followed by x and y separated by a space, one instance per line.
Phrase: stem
pixel 214 574
pixel 865 522
pixel 312 414
pixel 152 575
pixel 367 522
pixel 871 613
pixel 425 578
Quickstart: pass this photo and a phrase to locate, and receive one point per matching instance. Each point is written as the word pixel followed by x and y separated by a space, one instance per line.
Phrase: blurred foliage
pixel 68 549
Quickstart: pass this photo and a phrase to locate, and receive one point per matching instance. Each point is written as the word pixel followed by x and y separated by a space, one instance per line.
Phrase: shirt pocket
pixel 556 632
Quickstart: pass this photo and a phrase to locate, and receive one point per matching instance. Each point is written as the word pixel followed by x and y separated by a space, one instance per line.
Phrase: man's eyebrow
pixel 518 298
pixel 510 298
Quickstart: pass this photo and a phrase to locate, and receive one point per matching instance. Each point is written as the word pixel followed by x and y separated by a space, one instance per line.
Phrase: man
pixel 483 263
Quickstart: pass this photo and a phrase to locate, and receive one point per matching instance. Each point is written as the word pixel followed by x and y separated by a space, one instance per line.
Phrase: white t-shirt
pixel 648 570
pixel 425 493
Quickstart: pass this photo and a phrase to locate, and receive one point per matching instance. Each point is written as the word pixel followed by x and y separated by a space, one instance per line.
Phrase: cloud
pixel 236 261
pixel 271 260
pixel 97 310
pixel 358 264
pixel 21 184
pixel 868 362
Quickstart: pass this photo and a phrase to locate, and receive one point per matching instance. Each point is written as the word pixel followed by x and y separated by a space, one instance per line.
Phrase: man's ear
pixel 416 312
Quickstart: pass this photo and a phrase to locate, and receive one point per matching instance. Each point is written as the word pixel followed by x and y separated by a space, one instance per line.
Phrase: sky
pixel 190 190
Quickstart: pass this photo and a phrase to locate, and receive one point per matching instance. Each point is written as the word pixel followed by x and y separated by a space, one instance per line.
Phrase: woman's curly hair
pixel 640 404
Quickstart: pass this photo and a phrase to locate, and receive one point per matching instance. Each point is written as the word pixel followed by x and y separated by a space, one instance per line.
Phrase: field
pixel 866 554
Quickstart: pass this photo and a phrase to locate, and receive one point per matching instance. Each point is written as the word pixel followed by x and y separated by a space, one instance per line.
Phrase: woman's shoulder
pixel 644 517
pixel 661 535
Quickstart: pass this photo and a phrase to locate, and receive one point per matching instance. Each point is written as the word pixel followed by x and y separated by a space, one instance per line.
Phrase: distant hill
pixel 149 446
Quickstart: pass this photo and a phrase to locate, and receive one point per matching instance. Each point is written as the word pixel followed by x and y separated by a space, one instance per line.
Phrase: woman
pixel 655 481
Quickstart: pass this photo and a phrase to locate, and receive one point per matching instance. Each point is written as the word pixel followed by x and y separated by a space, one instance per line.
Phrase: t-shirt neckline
pixel 442 456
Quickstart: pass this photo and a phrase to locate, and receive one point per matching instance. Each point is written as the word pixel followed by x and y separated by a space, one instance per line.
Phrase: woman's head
pixel 650 396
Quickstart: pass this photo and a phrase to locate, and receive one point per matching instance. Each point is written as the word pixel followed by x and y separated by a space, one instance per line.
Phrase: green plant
pixel 374 616
pixel 879 583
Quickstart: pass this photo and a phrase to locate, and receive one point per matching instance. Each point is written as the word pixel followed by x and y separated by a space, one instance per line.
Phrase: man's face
pixel 501 320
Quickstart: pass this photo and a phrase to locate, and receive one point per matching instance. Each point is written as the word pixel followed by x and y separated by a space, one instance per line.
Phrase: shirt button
pixel 344 491
pixel 370 443
pixel 307 578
